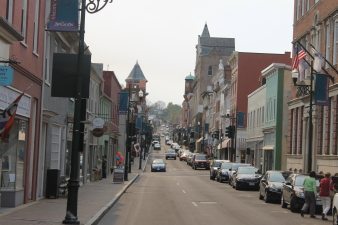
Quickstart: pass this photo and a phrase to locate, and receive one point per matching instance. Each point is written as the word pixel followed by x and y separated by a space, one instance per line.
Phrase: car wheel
pixel 260 196
pixel 283 204
pixel 266 197
pixel 175 158
pixel 335 215
pixel 236 187
pixel 293 205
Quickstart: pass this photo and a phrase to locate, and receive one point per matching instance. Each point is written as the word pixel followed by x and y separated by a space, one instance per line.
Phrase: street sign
pixel 6 75
pixel 118 175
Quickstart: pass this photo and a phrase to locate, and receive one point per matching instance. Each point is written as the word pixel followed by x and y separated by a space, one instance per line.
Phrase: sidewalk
pixel 94 200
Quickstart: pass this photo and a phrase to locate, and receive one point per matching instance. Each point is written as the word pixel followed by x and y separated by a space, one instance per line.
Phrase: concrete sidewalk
pixel 94 200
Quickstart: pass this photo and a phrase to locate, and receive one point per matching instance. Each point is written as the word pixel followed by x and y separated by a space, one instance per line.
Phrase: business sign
pixel 321 93
pixel 64 16
pixel 6 75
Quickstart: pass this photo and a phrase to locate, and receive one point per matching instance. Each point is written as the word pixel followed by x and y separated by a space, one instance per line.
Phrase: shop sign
pixel 98 124
pixel 6 75
pixel 7 96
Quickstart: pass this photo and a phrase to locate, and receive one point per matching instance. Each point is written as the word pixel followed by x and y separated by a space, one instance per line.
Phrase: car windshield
pixel 246 170
pixel 276 177
pixel 236 165
pixel 201 157
pixel 226 165
pixel 158 161
pixel 171 151
pixel 217 163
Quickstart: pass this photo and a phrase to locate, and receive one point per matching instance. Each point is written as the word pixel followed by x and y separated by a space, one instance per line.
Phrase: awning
pixel 199 140
pixel 268 147
pixel 224 144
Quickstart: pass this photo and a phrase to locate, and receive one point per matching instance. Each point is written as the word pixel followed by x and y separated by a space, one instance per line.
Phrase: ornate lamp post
pixel 79 114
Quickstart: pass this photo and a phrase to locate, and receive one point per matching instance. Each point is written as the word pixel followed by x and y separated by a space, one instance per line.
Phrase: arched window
pixel 210 70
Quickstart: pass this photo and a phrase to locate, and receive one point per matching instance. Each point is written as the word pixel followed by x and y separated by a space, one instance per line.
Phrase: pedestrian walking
pixel 324 193
pixel 310 195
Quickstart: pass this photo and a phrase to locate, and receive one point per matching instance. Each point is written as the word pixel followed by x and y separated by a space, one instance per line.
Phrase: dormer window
pixel 209 70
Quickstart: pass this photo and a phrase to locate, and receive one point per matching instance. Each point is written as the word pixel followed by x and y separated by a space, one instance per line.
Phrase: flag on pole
pixel 318 60
pixel 7 118
pixel 299 55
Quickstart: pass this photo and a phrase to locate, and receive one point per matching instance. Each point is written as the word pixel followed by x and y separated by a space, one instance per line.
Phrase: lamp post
pixel 79 114
pixel 233 131
pixel 307 89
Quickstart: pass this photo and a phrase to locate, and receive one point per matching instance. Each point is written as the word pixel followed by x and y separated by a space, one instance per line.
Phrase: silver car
pixel 158 165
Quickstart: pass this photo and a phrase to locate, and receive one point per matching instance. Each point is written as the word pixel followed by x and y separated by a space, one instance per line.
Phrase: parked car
pixel 170 154
pixel 246 177
pixel 270 186
pixel 155 142
pixel 293 193
pixel 184 155
pixel 189 158
pixel 232 170
pixel 157 146
pixel 158 165
pixel 200 161
pixel 223 174
pixel 215 165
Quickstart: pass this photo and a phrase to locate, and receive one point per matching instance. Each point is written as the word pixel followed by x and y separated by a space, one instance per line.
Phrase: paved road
pixel 184 196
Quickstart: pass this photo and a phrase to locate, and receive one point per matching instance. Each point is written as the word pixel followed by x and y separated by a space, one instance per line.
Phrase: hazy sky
pixel 162 34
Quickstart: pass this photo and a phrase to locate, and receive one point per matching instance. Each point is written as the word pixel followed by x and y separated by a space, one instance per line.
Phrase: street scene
pixel 155 112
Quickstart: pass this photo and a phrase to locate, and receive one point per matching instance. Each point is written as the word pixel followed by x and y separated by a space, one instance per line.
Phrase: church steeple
pixel 205 32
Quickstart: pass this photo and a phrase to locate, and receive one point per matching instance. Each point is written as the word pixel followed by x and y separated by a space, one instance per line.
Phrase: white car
pixel 157 146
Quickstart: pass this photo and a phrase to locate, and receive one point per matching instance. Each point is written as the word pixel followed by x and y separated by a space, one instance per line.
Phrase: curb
pixel 96 218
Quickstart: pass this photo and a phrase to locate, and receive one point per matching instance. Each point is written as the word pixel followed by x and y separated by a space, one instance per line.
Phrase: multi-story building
pixel 267 119
pixel 209 51
pixel 316 24
pixel 22 48
pixel 246 70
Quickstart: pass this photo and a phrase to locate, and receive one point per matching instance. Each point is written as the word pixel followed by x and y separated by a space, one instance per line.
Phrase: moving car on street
pixel 157 146
pixel 158 165
pixel 170 154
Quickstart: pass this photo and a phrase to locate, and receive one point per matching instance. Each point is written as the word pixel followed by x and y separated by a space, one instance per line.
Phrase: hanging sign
pixel 321 93
pixel 6 75
pixel 64 16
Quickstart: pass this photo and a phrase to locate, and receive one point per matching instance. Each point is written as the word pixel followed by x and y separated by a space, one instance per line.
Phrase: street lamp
pixel 79 114
pixel 232 132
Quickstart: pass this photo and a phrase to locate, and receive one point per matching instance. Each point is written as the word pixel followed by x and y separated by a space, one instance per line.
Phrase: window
pixel 47 57
pixel 210 70
pixel 55 147
pixel 9 11
pixel 327 44
pixel 335 43
pixel 36 26
pixel 303 7
pixel 24 19
pixel 316 1
pixel 298 9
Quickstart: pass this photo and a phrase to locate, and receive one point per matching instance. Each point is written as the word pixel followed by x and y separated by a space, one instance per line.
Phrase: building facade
pixel 316 24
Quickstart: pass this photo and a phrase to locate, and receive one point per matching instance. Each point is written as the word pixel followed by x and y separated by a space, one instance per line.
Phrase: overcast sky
pixel 162 34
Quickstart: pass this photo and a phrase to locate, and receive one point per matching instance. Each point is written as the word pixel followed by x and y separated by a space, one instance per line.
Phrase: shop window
pixel 13 157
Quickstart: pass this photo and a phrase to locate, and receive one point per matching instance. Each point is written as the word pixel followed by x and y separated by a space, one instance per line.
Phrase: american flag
pixel 299 55
pixel 7 118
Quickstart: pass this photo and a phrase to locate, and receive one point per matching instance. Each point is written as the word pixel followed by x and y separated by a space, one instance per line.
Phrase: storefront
pixel 13 151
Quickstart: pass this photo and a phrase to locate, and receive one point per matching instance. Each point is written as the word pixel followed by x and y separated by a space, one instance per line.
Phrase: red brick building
pixel 21 152
pixel 246 76
pixel 315 23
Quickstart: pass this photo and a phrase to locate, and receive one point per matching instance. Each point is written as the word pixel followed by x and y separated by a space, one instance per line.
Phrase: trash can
pixel 52 183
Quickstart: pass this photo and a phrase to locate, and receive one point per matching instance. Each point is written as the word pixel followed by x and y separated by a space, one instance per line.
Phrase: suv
pixel 200 161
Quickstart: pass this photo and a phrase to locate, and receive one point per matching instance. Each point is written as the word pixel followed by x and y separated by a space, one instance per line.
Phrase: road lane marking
pixel 184 191
pixel 194 203
pixel 207 202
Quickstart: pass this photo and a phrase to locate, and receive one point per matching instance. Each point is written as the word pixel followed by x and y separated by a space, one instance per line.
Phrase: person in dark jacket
pixel 324 193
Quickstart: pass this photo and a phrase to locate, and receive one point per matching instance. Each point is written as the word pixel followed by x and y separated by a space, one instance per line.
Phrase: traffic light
pixel 230 131
pixel 227 131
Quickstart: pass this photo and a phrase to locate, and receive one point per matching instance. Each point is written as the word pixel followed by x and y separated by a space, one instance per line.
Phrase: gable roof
pixel 136 74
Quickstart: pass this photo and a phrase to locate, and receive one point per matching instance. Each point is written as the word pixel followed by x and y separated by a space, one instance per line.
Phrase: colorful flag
pixel 299 55
pixel 7 118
